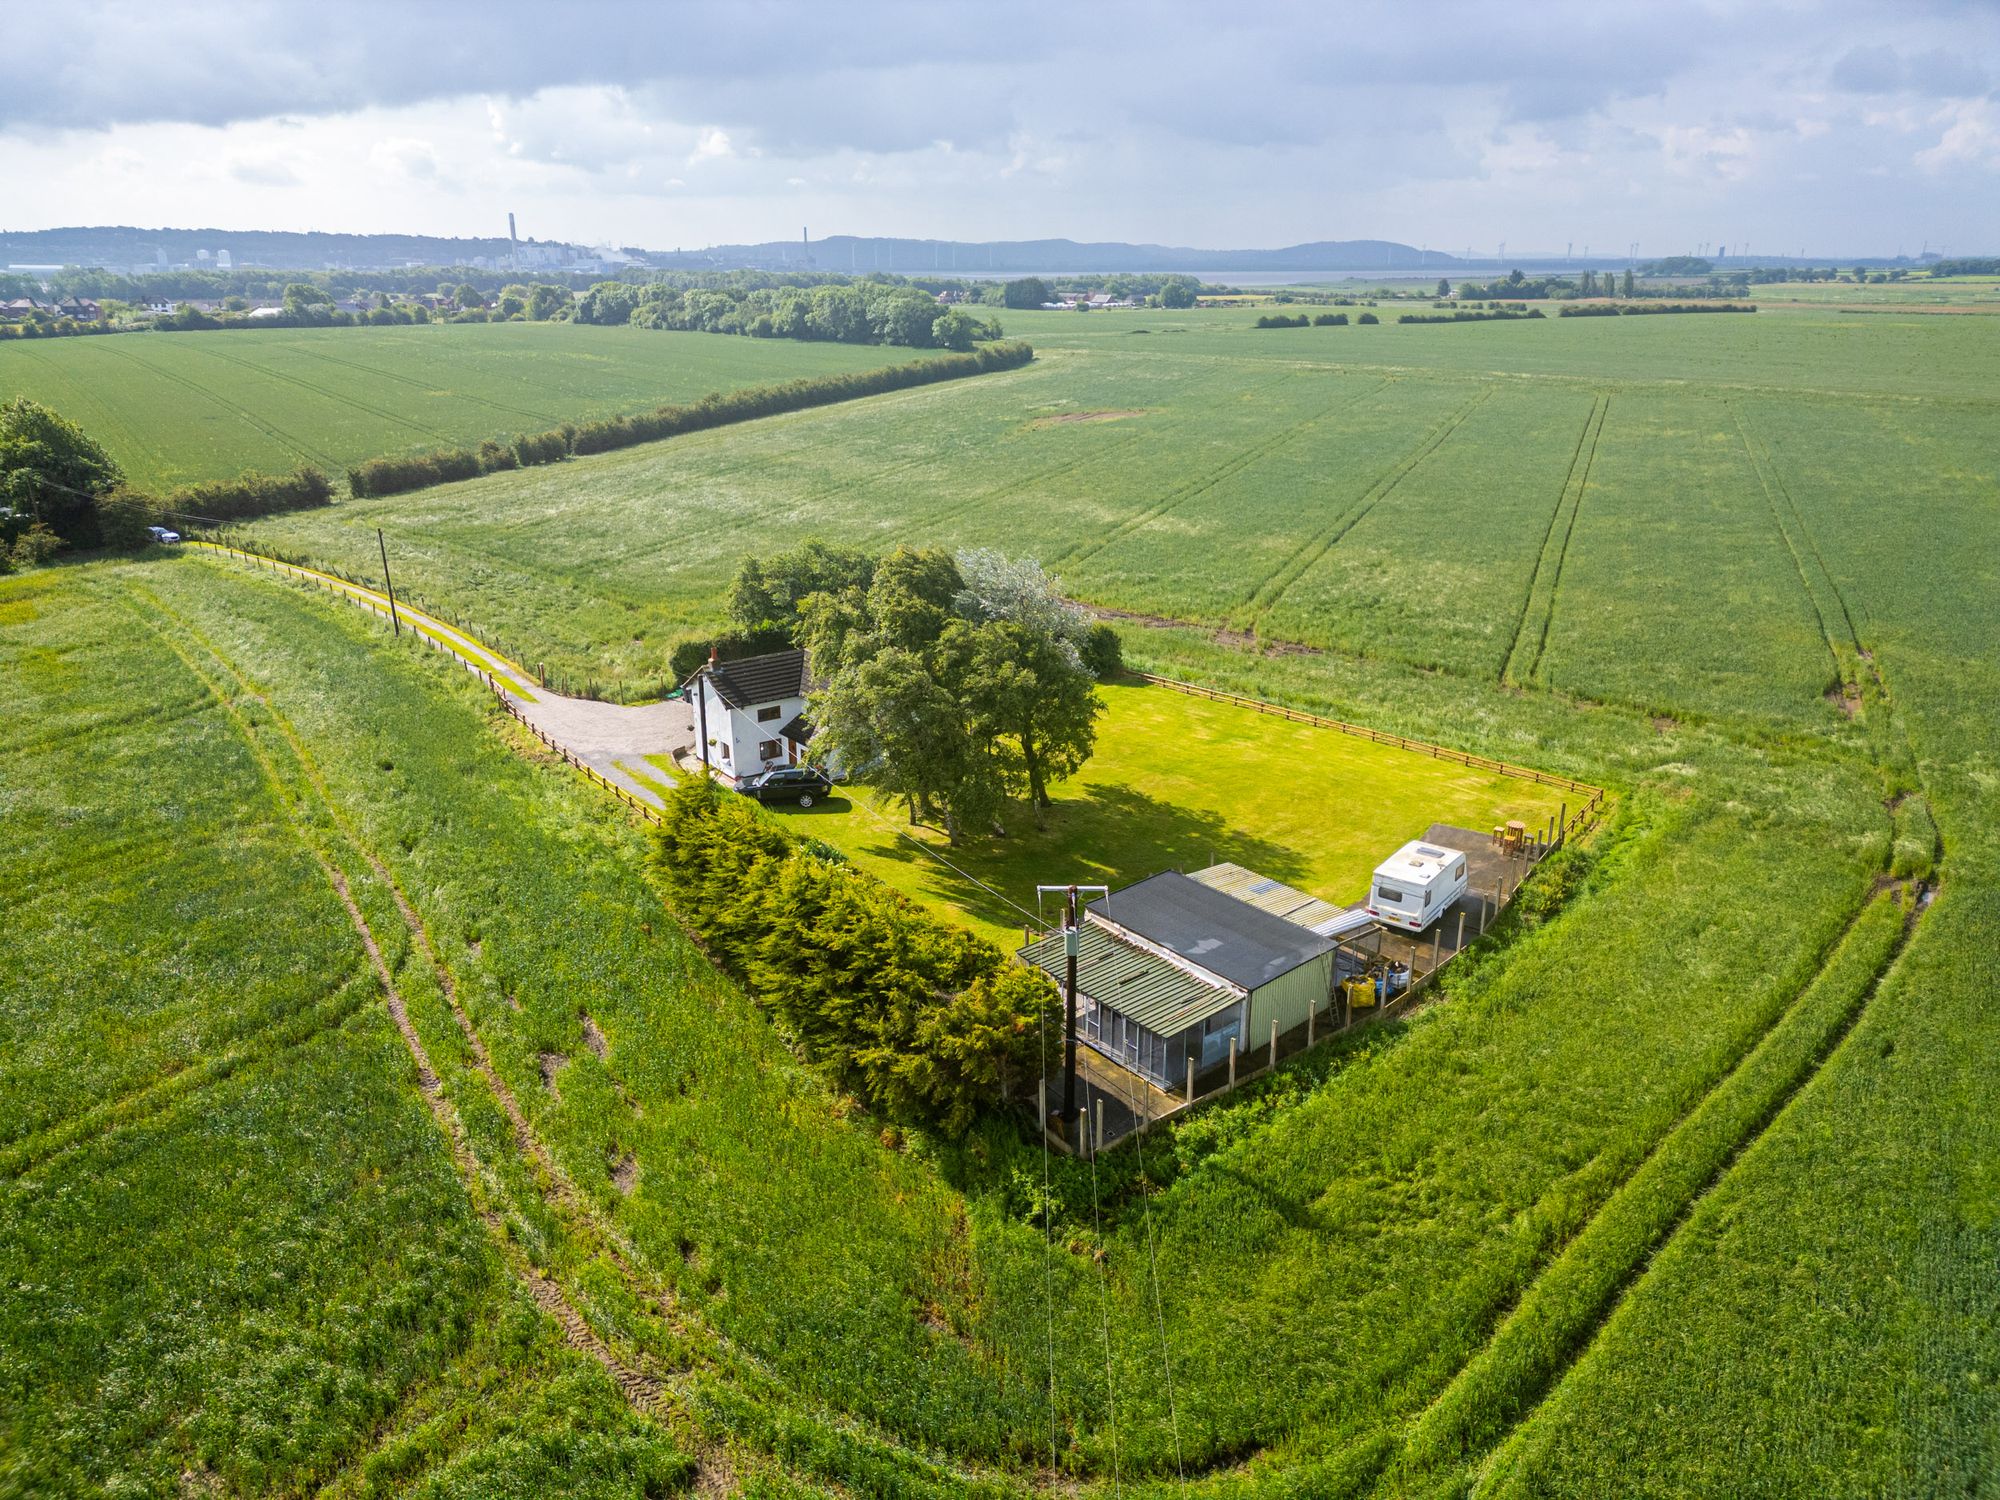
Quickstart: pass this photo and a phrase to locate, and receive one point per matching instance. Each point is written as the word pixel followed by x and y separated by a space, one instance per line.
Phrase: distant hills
pixel 842 252
pixel 127 248
pixel 122 247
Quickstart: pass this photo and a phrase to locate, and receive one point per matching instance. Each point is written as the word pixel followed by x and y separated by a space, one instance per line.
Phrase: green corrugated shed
pixel 1142 987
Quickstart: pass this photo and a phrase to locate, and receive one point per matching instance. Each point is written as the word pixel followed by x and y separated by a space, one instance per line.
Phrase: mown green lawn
pixel 1178 783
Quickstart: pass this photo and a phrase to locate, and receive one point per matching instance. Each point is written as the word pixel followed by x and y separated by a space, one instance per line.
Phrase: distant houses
pixel 1071 301
pixel 25 309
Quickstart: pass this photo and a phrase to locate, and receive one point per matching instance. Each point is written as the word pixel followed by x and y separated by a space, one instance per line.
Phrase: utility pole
pixel 1072 949
pixel 1072 952
pixel 383 547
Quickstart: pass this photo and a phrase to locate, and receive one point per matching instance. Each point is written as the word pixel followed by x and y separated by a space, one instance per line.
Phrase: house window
pixel 725 750
pixel 766 715
pixel 770 750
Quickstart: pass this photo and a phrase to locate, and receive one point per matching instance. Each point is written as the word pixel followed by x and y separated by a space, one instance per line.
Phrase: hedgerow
pixel 1641 309
pixel 253 494
pixel 1462 316
pixel 398 475
pixel 931 1023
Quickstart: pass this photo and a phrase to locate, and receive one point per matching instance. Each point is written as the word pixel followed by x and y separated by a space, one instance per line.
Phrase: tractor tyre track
pixel 297 445
pixel 1264 597
pixel 1563 500
pixel 651 1388
pixel 1534 666
pixel 1226 470
pixel 1447 1431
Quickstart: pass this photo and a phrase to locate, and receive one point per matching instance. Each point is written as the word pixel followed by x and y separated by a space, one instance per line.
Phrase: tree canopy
pixel 52 470
pixel 959 684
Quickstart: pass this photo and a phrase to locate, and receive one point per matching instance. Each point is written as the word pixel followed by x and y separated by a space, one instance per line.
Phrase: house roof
pixel 1227 937
pixel 759 679
pixel 1143 987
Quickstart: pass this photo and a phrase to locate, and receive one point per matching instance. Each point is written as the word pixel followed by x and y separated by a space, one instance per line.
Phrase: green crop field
pixel 175 408
pixel 1686 1186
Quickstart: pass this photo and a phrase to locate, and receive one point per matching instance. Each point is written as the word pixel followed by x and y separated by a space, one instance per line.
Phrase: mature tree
pixel 304 300
pixel 1026 291
pixel 1630 282
pixel 545 301
pixel 953 683
pixel 122 519
pixel 955 328
pixel 467 296
pixel 52 470
pixel 1179 291
pixel 513 300
pixel 765 595
pixel 891 718
pixel 1444 286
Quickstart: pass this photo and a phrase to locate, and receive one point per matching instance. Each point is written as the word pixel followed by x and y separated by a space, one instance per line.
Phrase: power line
pixel 1153 1265
pixel 1048 1220
pixel 966 874
pixel 1110 1392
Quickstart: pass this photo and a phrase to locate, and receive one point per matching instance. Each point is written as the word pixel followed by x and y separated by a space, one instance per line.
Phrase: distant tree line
pixel 396 475
pixel 853 313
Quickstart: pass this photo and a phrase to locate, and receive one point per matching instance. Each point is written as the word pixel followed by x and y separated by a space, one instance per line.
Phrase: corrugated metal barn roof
pixel 1142 987
pixel 1266 894
pixel 1229 938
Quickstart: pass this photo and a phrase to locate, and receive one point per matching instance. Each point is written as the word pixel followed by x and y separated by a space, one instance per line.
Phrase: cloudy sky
pixel 1845 127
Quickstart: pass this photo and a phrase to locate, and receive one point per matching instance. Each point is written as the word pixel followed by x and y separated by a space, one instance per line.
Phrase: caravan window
pixel 1388 897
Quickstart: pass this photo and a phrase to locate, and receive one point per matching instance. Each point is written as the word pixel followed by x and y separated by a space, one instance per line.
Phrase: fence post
pixel 1458 944
pixel 1190 1078
pixel 1232 1062
pixel 1274 1041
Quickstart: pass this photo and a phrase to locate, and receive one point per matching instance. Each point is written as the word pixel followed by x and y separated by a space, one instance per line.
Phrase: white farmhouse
pixel 749 715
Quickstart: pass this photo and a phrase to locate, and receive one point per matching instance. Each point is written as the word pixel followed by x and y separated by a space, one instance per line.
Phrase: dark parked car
pixel 800 784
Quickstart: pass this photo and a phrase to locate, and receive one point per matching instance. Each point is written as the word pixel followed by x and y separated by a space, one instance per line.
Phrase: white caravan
pixel 1414 885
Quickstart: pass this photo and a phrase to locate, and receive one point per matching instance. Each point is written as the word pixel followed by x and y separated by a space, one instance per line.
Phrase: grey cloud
pixel 1938 73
